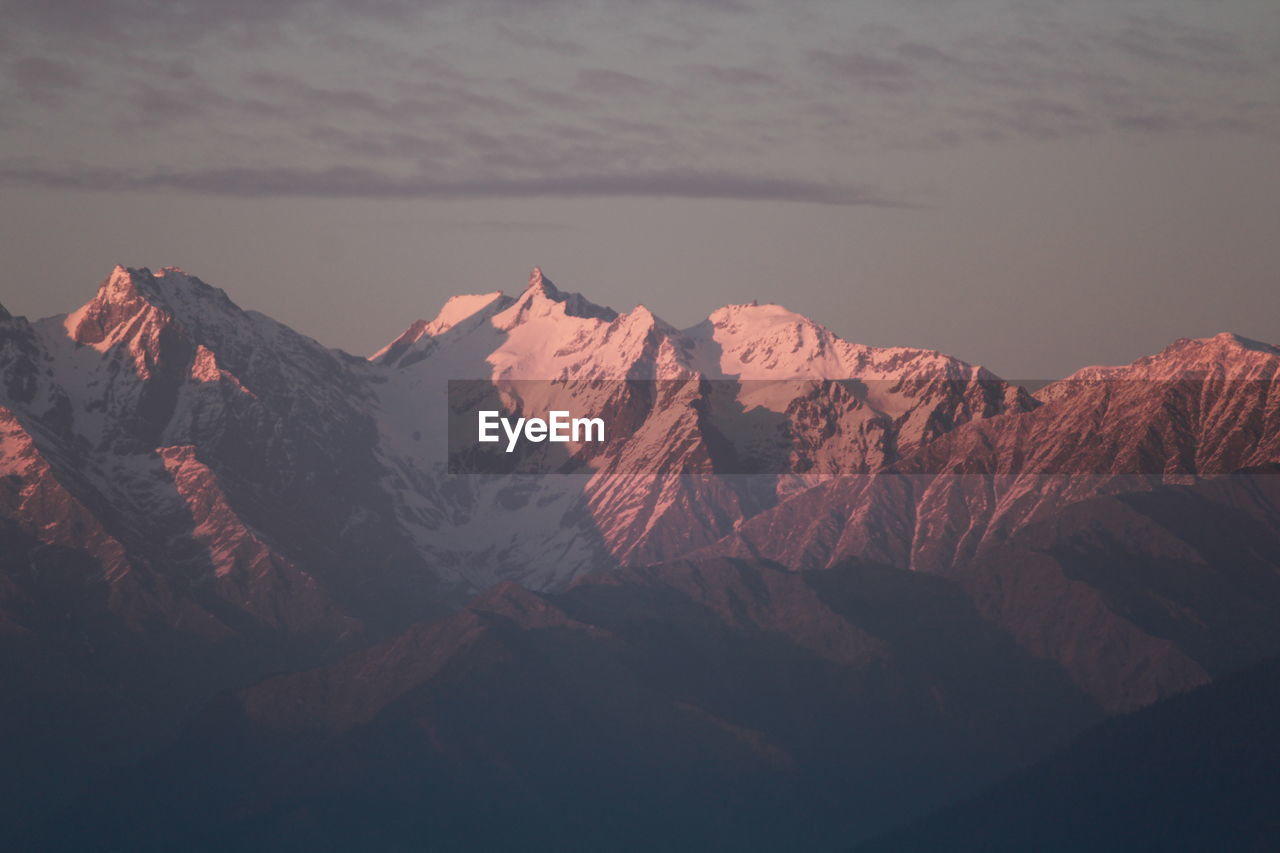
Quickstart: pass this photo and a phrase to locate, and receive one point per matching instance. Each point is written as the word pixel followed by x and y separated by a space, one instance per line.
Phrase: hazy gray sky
pixel 1029 185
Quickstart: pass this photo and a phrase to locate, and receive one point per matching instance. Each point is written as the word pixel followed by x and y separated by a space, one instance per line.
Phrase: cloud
pixel 870 70
pixel 381 144
pixel 39 78
pixel 525 225
pixel 526 38
pixel 431 99
pixel 349 182
pixel 1044 76
pixel 735 76
pixel 188 18
pixel 1033 118
pixel 611 83
pixel 197 19
pixel 1167 43
pixel 600 97
pixel 1176 123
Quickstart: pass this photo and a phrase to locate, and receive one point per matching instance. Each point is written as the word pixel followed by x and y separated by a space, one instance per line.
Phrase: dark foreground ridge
pixel 1191 773
pixel 690 706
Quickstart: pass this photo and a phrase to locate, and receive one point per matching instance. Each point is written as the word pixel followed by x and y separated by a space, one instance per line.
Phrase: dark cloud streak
pixel 195 19
pixel 347 182
pixel 40 79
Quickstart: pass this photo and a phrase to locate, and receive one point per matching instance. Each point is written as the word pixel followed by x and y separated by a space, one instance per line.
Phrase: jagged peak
pixel 641 315
pixel 134 300
pixel 126 283
pixel 542 298
pixel 4 313
pixel 122 294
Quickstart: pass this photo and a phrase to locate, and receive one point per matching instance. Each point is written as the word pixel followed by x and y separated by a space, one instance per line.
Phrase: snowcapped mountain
pixel 653 496
pixel 191 433
pixel 203 437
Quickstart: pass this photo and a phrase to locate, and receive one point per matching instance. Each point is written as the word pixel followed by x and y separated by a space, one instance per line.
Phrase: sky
pixel 1033 186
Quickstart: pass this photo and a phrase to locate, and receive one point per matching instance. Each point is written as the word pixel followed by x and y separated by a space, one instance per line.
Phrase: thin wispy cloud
pixel 869 70
pixel 1162 41
pixel 607 97
pixel 41 77
pixel 349 182
pixel 195 18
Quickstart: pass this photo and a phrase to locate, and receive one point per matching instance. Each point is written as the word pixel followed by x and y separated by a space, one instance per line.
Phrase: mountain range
pixel 820 588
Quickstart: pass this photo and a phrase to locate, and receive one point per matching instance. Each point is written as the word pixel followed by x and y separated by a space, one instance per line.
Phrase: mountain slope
pixel 1194 772
pixel 746 705
pixel 175 472
pixel 1128 527
pixel 1200 408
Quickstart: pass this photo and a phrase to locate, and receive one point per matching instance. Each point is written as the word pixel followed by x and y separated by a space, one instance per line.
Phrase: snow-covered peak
pixel 123 294
pixel 1226 355
pixel 755 341
pixel 641 317
pixel 1223 356
pixel 460 314
pixel 190 299
pixel 542 299
pixel 122 278
pixel 459 309
pixel 169 294
pixel 1227 344
pixel 122 284
pixel 755 314
pixel 1225 351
